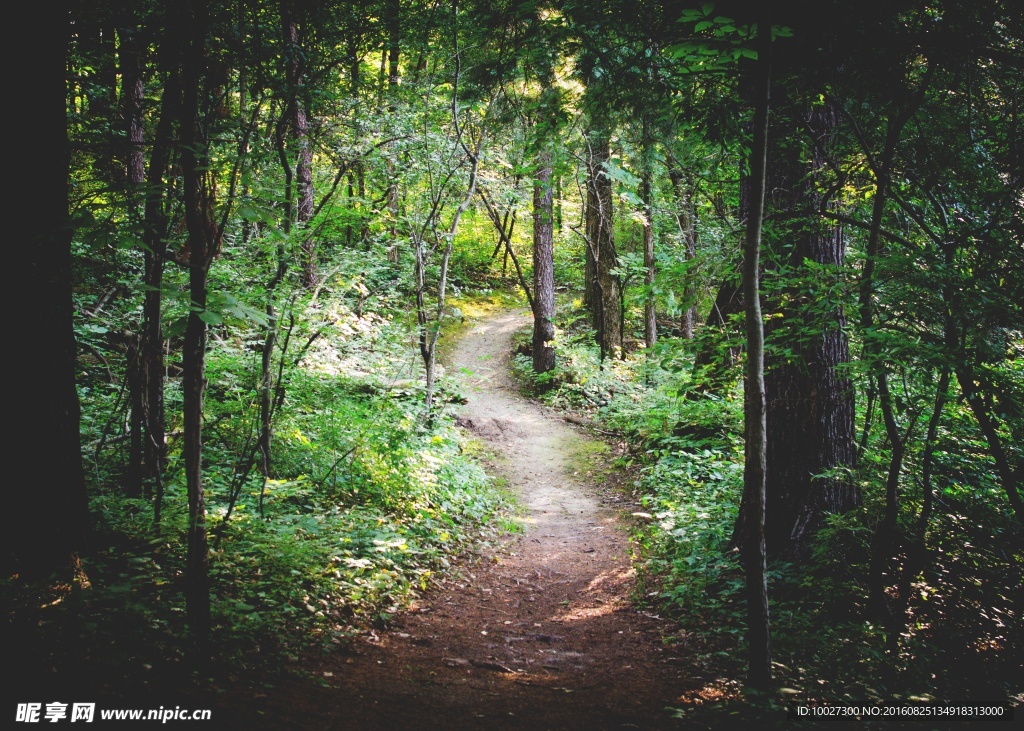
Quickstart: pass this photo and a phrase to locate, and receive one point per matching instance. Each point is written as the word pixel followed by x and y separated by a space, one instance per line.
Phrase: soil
pixel 537 633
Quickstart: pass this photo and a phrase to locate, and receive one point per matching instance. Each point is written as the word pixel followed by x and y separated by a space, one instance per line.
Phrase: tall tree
pixel 755 450
pixel 298 124
pixel 155 230
pixel 686 217
pixel 646 196
pixel 203 239
pixel 130 55
pixel 809 395
pixel 543 267
pixel 49 508
pixel 545 131
pixel 602 258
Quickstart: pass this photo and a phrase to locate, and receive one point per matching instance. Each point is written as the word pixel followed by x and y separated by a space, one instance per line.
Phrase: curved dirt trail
pixel 540 635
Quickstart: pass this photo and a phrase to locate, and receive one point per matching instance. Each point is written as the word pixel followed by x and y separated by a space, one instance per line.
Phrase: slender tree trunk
pixel 604 299
pixel 357 176
pixel 392 193
pixel 131 58
pixel 428 335
pixel 130 55
pixel 543 268
pixel 1009 477
pixel 299 125
pixel 650 313
pixel 686 216
pixel 270 330
pixel 394 9
pixel 754 465
pixel 885 538
pixel 558 203
pixel 504 230
pixel 591 229
pixel 198 198
pixel 154 237
pixel 136 421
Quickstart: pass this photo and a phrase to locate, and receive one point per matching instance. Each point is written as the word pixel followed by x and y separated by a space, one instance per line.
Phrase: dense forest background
pixel 272 219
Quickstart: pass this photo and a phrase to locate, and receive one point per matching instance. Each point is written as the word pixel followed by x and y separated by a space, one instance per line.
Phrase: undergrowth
pixel 687 450
pixel 367 501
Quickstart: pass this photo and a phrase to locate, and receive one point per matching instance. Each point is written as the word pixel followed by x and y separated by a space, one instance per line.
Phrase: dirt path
pixel 541 635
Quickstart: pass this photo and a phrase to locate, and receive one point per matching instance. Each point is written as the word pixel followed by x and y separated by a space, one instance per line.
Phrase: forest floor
pixel 539 631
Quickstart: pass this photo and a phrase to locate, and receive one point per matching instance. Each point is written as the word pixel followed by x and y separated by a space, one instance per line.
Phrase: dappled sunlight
pixel 606 593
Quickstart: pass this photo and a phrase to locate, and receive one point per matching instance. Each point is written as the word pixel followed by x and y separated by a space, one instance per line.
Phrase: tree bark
pixel 810 405
pixel 591 228
pixel 298 123
pixel 650 313
pixel 753 549
pixel 543 267
pixel 604 299
pixel 154 238
pixel 130 57
pixel 202 232
pixel 686 216
pixel 130 54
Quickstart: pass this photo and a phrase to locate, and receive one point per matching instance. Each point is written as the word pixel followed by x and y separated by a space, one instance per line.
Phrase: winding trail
pixel 539 635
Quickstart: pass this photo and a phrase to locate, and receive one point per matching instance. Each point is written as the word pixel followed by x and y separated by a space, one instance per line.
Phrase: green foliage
pixel 686 449
pixel 365 504
pixel 366 497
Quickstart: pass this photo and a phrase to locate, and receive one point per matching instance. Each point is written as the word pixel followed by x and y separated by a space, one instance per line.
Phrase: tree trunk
pixel 604 299
pixel 154 238
pixel 686 216
pixel 131 58
pixel 394 9
pixel 591 226
pixel 391 193
pixel 47 509
pixel 755 451
pixel 270 329
pixel 130 55
pixel 202 232
pixel 810 406
pixel 136 421
pixel 428 335
pixel 650 313
pixel 299 125
pixel 543 268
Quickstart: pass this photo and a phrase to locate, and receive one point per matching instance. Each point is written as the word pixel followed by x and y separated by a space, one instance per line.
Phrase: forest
pixel 493 364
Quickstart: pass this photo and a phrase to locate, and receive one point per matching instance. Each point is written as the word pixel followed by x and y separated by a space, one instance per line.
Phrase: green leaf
pixel 210 318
